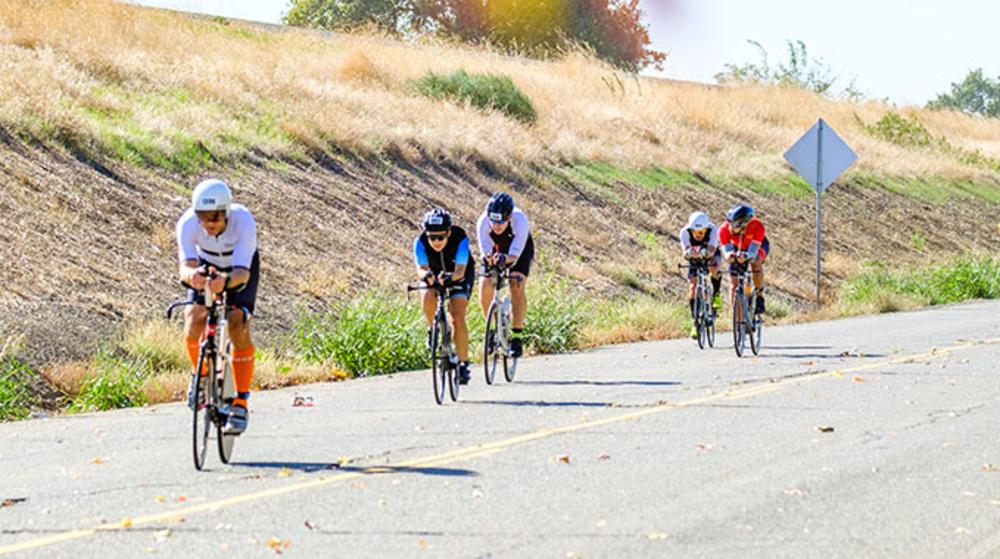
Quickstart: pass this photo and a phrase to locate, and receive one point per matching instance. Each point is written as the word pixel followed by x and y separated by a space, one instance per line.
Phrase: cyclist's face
pixel 213 221
pixel 737 227
pixel 437 240
pixel 499 227
pixel 698 233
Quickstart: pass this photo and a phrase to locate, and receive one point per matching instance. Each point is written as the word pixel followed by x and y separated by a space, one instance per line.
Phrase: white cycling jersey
pixel 712 238
pixel 519 228
pixel 233 248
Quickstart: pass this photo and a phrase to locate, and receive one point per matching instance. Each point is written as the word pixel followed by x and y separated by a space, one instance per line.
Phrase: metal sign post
pixel 820 156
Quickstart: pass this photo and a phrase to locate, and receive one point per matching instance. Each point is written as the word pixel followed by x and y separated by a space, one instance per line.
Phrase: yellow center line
pixel 479 450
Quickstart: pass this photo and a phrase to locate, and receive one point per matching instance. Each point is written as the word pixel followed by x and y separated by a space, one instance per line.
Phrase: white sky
pixel 906 50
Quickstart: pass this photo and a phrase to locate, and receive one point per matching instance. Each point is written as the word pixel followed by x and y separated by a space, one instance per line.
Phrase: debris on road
pixel 310 525
pixel 824 428
pixel 9 502
pixel 656 536
pixel 564 458
pixel 604 456
pixel 989 468
pixel 303 401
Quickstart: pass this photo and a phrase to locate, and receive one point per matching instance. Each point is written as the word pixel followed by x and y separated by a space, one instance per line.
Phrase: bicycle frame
pixel 445 371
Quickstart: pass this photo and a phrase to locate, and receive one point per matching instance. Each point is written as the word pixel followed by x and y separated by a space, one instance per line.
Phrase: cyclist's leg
pixel 692 287
pixel 519 273
pixel 715 271
pixel 457 307
pixel 194 329
pixel 242 304
pixel 430 306
pixel 486 294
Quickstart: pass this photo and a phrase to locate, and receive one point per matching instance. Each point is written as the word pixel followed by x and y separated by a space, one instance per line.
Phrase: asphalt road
pixel 865 437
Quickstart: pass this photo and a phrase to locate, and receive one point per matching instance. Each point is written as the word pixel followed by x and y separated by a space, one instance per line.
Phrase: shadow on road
pixel 845 355
pixel 602 382
pixel 539 403
pixel 800 347
pixel 311 467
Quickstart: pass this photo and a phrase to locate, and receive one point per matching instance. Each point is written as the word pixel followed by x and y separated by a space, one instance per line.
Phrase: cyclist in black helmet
pixel 442 254
pixel 505 236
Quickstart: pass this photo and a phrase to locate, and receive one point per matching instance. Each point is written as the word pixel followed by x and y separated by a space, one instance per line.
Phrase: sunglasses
pixel 211 216
pixel 437 236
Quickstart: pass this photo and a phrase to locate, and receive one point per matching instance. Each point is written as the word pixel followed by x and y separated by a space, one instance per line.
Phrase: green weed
pixel 483 91
pixel 16 400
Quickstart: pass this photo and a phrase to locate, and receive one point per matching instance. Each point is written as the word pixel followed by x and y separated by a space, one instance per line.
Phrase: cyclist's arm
pixel 461 259
pixel 243 252
pixel 420 259
pixel 713 242
pixel 483 237
pixel 187 249
pixel 757 238
pixel 521 228
pixel 685 241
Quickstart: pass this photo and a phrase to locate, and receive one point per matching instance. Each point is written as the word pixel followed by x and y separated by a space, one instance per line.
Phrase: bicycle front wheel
pixel 438 364
pixel 700 322
pixel 201 418
pixel 739 328
pixel 755 326
pixel 491 342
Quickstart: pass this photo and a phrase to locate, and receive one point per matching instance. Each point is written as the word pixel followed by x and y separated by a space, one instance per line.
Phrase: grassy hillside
pixel 110 113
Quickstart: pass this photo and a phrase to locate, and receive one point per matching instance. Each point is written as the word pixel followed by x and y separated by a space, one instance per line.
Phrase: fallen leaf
pixel 126 523
pixel 423 545
pixel 97 460
pixel 703 446
pixel 13 501
pixel 396 482
pixel 796 492
pixel 655 536
pixel 824 428
pixel 382 503
pixel 604 456
pixel 284 472
pixel 601 523
pixel 963 531
pixel 161 535
pixel 837 374
pixel 359 484
pixel 339 375
pixel 160 499
pixel 343 461
pixel 182 499
pixel 310 525
pixel 858 378
pixel 564 458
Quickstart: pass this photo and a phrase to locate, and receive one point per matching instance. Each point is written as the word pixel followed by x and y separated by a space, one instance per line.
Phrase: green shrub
pixel 887 291
pixel 556 315
pixel 370 335
pixel 16 400
pixel 902 131
pixel 483 91
pixel 117 382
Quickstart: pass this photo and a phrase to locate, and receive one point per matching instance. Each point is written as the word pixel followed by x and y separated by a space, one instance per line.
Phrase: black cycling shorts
pixel 243 297
pixel 523 264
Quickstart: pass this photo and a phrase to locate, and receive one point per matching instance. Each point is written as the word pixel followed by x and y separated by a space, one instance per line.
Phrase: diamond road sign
pixel 820 156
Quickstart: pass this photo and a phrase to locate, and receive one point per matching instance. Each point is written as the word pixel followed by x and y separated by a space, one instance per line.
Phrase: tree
pixel 976 94
pixel 800 70
pixel 613 29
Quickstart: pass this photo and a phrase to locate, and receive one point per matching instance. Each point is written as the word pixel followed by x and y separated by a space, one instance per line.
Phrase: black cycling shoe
pixel 516 348
pixel 464 376
pixel 760 304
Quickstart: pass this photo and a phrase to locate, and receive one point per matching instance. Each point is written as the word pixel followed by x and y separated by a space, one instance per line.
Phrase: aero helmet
pixel 212 195
pixel 499 208
pixel 698 220
pixel 438 219
pixel 739 215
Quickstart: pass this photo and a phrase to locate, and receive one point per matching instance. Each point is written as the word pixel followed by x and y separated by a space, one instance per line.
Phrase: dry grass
pixel 169 80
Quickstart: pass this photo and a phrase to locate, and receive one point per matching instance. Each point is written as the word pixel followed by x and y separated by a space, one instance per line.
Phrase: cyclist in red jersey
pixel 744 239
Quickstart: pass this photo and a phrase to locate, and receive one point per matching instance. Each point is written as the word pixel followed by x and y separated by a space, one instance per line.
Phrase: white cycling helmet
pixel 698 220
pixel 211 195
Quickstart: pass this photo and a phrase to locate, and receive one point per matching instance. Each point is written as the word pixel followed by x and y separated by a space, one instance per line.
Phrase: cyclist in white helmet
pixel 216 236
pixel 700 241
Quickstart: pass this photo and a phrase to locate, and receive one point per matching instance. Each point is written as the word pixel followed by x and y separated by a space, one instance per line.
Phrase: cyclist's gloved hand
pixel 428 276
pixel 445 278
pixel 501 259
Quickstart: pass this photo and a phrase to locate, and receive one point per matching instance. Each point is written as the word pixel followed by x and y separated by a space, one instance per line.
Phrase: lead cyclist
pixel 215 236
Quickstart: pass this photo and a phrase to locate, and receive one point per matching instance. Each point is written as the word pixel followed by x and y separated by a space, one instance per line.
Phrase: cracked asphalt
pixel 863 437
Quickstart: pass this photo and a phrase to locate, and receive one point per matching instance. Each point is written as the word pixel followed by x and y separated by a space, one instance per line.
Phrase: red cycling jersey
pixel 753 233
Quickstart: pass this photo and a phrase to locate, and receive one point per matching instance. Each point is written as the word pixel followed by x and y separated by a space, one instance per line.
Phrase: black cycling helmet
pixel 499 208
pixel 739 215
pixel 438 219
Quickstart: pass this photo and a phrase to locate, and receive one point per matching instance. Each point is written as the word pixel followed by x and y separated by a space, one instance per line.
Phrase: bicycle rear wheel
pixel 755 325
pixel 438 364
pixel 509 363
pixel 226 392
pixel 202 417
pixel 491 343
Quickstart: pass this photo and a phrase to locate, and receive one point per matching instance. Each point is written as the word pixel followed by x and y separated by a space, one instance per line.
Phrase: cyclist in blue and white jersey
pixel 700 242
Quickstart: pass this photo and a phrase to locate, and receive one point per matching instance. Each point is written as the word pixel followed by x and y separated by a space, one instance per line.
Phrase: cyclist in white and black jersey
pixel 216 236
pixel 700 241
pixel 504 235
